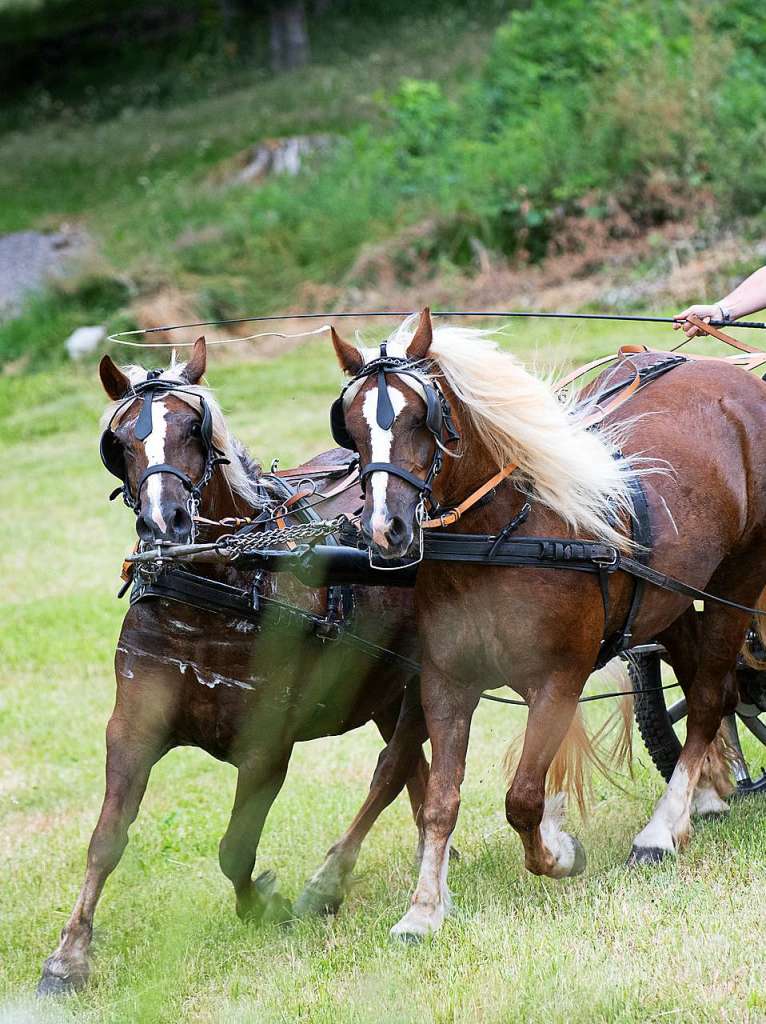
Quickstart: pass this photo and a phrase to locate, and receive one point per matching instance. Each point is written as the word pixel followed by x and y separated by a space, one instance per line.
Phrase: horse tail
pixel 580 753
pixel 759 624
pixel 718 766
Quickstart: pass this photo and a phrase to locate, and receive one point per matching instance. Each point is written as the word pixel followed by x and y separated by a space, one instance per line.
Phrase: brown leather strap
pixel 294 499
pixel 623 352
pixel 720 335
pixel 451 517
pixel 231 521
pixel 280 521
pixel 630 389
pixel 128 568
pixel 573 375
pixel 345 485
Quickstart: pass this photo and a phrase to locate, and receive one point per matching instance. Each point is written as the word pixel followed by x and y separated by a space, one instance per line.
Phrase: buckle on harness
pixel 607 560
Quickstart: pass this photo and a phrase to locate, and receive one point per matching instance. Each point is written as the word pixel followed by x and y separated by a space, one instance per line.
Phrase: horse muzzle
pixel 171 521
pixel 388 537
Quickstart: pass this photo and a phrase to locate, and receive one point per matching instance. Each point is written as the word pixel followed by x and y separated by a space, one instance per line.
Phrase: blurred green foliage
pixel 457 135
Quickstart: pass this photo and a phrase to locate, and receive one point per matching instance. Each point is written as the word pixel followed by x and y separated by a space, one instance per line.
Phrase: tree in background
pixel 288 35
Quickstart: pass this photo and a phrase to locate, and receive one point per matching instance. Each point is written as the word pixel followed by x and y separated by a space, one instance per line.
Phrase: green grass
pixel 679 943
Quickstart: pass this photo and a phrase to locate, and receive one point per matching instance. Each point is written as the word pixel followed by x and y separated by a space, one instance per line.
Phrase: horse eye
pixel 196 430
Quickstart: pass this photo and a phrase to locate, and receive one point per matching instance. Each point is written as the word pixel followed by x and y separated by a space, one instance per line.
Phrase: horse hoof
pixel 315 903
pixel 264 904
pixel 580 858
pixel 646 855
pixel 417 924
pixel 407 938
pixel 52 985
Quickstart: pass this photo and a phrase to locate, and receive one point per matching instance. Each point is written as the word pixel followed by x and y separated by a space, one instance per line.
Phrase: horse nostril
pixel 396 530
pixel 145 529
pixel 180 524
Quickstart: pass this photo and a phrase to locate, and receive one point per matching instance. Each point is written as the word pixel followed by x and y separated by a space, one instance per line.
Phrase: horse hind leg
pixel 698 780
pixel 683 641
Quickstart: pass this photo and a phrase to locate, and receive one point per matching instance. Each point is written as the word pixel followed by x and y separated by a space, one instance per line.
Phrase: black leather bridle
pixel 438 418
pixel 113 455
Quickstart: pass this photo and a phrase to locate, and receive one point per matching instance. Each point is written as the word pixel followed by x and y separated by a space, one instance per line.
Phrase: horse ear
pixel 421 340
pixel 116 384
pixel 350 358
pixel 194 370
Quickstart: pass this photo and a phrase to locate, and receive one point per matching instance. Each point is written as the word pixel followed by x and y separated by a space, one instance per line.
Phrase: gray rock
pixel 29 260
pixel 84 340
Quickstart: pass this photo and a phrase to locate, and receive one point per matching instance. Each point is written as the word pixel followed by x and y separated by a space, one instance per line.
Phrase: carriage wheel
pixel 660 713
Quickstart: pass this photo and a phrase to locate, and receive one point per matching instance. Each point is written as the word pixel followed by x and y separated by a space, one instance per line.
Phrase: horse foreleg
pixel 129 761
pixel 401 761
pixel 258 783
pixel 548 850
pixel 417 780
pixel 448 712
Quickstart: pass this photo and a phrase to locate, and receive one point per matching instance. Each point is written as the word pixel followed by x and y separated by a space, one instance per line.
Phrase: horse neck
pixel 219 502
pixel 461 476
pixel 470 469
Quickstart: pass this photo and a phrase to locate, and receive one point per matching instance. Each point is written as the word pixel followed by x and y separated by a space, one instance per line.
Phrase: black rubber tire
pixel 652 719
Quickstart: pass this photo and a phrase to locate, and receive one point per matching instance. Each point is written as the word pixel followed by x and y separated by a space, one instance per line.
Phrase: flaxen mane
pixel 520 419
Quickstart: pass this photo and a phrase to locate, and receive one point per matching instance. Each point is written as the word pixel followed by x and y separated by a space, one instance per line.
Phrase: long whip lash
pixel 121 337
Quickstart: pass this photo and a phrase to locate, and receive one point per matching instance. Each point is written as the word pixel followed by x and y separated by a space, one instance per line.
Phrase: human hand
pixel 706 313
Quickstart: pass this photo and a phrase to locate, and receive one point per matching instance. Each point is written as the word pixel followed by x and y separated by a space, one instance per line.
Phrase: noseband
pixel 113 456
pixel 438 417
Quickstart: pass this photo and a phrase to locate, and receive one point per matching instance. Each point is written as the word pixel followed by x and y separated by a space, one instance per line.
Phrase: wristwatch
pixel 726 316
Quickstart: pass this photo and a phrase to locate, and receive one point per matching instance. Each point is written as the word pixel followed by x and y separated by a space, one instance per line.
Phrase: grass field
pixel 683 942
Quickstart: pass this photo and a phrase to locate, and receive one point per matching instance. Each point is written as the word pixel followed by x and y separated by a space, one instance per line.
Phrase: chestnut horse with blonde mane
pixel 694 437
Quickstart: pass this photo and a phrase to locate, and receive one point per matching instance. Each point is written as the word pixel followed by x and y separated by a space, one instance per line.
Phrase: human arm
pixel 747 298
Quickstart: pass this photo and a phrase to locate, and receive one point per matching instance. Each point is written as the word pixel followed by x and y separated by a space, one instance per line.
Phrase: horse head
pixel 395 415
pixel 158 441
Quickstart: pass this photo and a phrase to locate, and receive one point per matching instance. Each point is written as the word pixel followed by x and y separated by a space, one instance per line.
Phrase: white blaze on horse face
pixel 154 446
pixel 380 444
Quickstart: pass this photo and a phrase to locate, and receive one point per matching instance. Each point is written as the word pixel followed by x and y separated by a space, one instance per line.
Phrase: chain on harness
pixel 233 545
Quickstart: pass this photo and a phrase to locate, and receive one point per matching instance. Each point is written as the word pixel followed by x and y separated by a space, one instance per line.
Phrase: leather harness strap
pixel 452 516
pixel 285 507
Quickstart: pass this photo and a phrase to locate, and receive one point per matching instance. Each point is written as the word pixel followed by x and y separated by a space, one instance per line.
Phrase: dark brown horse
pixel 245 691
pixel 700 427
